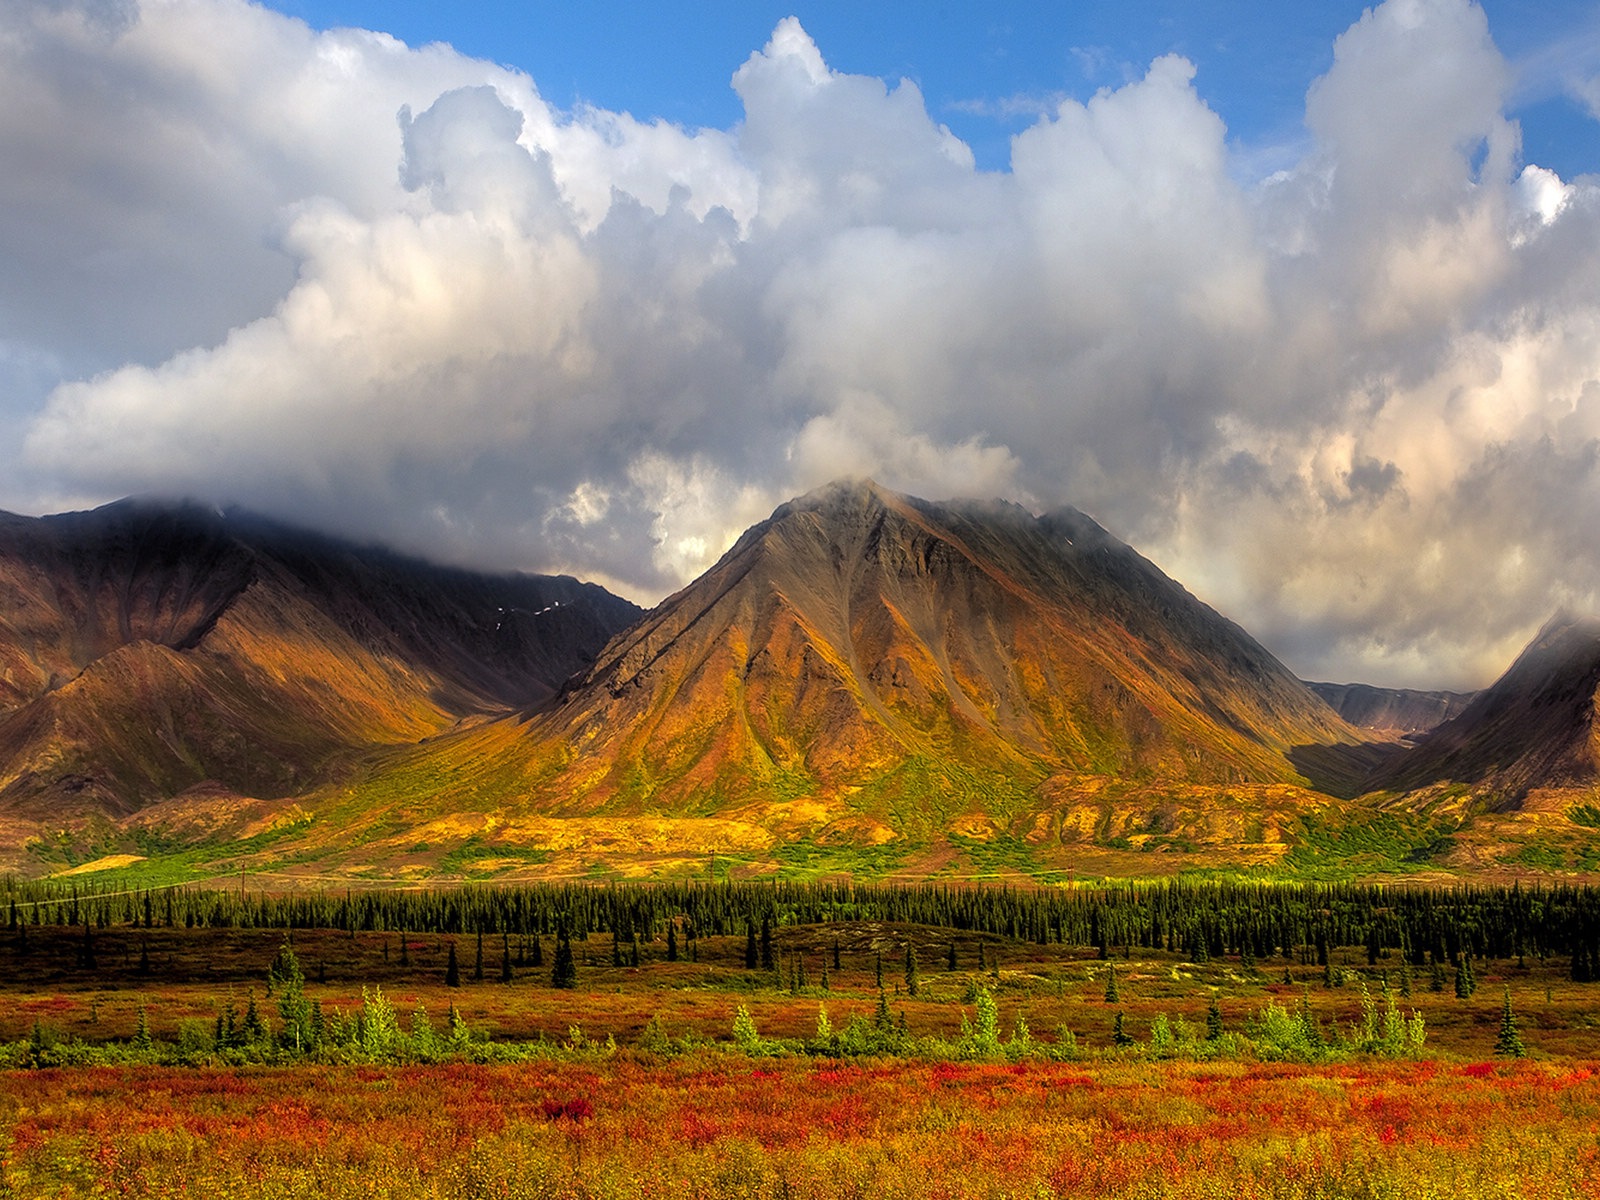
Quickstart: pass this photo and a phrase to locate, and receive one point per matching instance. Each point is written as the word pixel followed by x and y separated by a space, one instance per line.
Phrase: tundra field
pixel 224 1054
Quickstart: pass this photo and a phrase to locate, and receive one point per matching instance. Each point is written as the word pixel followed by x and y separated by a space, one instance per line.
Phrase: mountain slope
pixel 147 648
pixel 1533 728
pixel 889 665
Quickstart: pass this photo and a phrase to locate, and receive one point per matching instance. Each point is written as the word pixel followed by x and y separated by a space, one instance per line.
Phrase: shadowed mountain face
pixel 1535 727
pixel 1391 712
pixel 147 648
pixel 914 660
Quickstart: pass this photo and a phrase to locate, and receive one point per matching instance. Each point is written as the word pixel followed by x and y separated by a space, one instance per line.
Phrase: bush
pixel 1280 1035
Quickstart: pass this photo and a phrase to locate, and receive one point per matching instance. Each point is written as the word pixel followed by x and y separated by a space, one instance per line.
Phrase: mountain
pixel 1533 728
pixel 865 667
pixel 1401 713
pixel 865 684
pixel 149 649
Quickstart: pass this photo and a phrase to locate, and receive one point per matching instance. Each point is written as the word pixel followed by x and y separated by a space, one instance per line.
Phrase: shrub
pixel 744 1031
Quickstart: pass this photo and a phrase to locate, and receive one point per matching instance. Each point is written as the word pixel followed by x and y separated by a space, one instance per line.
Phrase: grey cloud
pixel 397 295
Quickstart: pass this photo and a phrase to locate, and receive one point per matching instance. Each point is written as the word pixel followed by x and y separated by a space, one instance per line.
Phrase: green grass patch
pixel 1367 842
pixel 467 859
pixel 1534 854
pixel 1003 855
pixel 802 862
pixel 167 861
pixel 922 795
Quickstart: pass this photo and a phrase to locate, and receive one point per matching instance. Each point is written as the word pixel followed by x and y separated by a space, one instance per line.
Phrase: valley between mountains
pixel 866 684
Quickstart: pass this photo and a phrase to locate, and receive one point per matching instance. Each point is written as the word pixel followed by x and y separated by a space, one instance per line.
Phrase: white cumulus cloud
pixel 395 293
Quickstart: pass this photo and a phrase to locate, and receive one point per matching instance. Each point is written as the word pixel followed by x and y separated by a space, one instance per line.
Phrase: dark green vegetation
pixel 1303 972
pixel 1417 924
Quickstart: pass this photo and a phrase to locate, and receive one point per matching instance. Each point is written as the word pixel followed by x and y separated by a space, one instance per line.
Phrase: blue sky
pixel 986 69
pixel 1300 300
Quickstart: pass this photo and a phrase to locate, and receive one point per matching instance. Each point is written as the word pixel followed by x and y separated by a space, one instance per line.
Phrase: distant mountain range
pixel 1395 712
pixel 865 684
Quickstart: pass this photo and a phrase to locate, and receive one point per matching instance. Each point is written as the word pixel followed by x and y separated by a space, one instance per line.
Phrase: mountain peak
pixel 883 654
pixel 1564 628
pixel 1533 727
pixel 847 495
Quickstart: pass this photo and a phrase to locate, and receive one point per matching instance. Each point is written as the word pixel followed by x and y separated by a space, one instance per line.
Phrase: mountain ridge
pixel 1405 713
pixel 147 647
pixel 1534 727
pixel 864 682
pixel 860 645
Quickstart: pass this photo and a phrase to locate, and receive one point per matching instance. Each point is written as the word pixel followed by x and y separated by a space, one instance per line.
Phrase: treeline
pixel 1200 920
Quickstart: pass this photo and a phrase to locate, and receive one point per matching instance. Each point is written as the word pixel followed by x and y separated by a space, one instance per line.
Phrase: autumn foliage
pixel 715 1126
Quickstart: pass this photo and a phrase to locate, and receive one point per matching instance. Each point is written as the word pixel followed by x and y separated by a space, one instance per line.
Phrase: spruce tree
pixel 1120 1037
pixel 536 952
pixel 672 942
pixel 913 980
pixel 1113 995
pixel 452 971
pixel 284 974
pixel 836 954
pixel 766 944
pixel 565 972
pixel 254 1030
pixel 750 959
pixel 505 957
pixel 1509 1043
pixel 950 957
pixel 1213 1020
